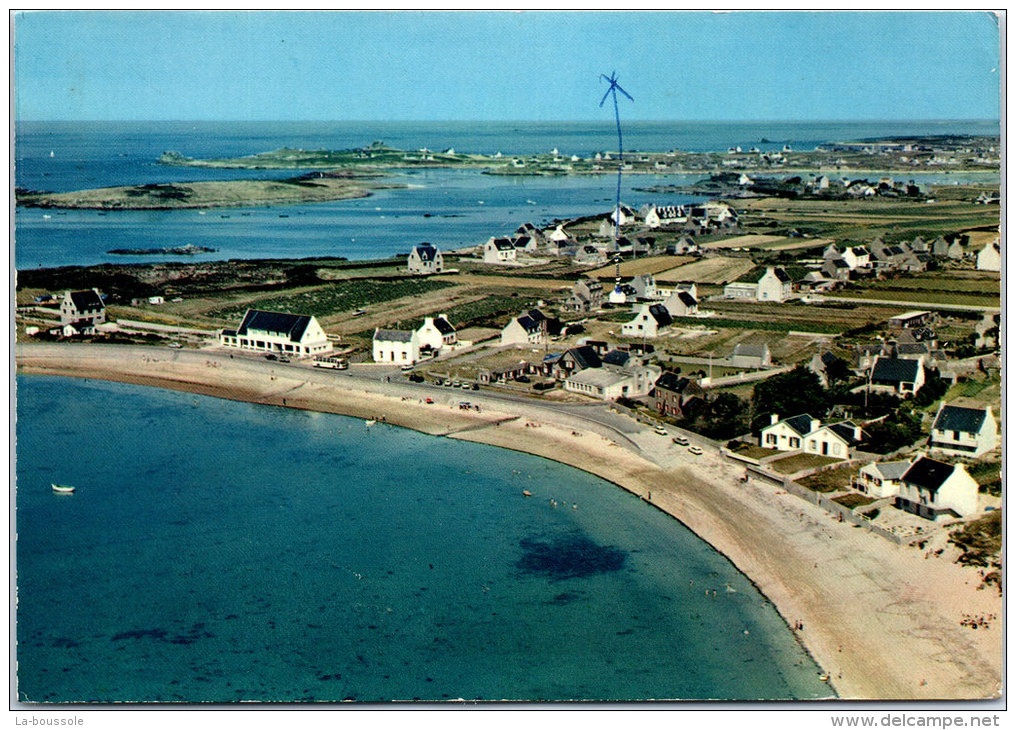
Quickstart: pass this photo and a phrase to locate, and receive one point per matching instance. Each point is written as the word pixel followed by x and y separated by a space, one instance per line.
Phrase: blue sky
pixel 504 66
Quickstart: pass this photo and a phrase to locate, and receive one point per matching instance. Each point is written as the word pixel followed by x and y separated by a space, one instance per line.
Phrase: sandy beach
pixel 882 620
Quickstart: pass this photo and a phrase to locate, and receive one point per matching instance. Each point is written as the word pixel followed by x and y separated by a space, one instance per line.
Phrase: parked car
pixel 681 440
pixel 661 430
pixel 270 356
pixel 695 450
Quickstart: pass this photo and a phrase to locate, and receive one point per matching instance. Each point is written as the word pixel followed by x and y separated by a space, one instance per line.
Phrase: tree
pixel 900 428
pixel 837 370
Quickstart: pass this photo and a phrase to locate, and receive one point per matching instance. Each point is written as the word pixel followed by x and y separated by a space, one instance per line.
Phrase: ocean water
pixel 218 552
pixel 462 208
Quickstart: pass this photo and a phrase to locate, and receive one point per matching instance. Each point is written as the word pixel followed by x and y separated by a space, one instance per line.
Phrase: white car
pixel 680 440
pixel 661 430
pixel 695 450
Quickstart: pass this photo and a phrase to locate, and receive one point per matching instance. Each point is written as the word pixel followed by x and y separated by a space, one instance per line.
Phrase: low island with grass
pixel 311 188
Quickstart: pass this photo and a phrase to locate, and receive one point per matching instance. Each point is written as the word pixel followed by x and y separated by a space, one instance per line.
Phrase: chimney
pixel 815 424
pixel 774 418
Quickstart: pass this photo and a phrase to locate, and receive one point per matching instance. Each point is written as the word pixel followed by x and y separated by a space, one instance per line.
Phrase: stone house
pixel 425 259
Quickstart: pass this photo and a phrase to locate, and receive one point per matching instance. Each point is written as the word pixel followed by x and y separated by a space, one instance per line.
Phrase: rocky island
pixel 188 249
pixel 311 188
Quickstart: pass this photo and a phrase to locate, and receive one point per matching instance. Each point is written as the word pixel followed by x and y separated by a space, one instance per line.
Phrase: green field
pixel 494 311
pixel 339 297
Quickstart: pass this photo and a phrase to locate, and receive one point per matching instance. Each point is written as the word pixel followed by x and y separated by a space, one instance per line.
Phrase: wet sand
pixel 882 620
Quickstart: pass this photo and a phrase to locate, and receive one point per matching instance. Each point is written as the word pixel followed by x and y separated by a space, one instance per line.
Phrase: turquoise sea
pixel 218 551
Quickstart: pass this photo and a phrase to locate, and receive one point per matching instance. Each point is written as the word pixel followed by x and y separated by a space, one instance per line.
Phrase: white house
pixel 747 355
pixel 903 377
pixel 81 311
pixel 278 332
pixel 856 256
pixel 527 329
pixel 611 382
pixel 437 333
pixel 787 434
pixel 650 217
pixel 559 235
pixel 682 304
pixel 425 259
pixel 649 320
pixel 774 286
pixel 963 431
pixel 401 347
pixel 645 286
pixel 835 440
pixel 937 490
pixel 989 258
pixel 880 479
pixel 499 251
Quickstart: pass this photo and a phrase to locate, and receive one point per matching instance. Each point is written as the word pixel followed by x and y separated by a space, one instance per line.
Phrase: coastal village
pixel 835 338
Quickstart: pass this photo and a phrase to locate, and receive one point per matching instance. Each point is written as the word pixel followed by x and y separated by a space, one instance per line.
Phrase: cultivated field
pixel 718 270
pixel 751 241
pixel 977 288
pixel 636 267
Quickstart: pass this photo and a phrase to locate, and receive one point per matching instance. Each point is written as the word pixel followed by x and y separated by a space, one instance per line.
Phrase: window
pixel 795 442
pixel 770 438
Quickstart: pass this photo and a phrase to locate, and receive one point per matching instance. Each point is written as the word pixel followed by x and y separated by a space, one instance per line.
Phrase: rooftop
pixel 958 418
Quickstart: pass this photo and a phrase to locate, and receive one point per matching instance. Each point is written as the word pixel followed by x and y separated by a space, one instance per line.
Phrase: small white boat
pixel 63 488
pixel 371 422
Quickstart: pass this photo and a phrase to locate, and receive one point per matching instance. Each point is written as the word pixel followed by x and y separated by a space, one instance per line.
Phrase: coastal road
pixel 599 417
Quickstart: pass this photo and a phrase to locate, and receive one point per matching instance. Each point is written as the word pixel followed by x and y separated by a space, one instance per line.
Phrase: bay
pixel 217 551
pixel 450 208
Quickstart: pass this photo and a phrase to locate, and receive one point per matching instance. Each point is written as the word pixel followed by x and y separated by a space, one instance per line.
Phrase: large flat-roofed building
pixel 278 332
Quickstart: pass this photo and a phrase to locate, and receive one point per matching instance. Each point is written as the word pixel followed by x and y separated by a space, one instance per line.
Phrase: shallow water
pixel 450 208
pixel 218 551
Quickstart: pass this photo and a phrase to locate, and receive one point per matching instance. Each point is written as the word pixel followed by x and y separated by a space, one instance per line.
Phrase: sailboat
pixel 51 153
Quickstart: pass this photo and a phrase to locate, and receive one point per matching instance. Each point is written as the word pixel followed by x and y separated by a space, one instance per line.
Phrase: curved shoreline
pixel 881 620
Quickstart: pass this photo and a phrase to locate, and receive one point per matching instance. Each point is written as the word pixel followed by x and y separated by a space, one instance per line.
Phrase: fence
pixel 842 513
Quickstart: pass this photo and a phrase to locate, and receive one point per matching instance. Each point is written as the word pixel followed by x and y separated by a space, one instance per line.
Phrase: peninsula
pixel 353 173
pixel 922 154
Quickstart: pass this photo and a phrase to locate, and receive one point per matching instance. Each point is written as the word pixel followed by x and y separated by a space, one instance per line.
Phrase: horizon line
pixel 516 121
